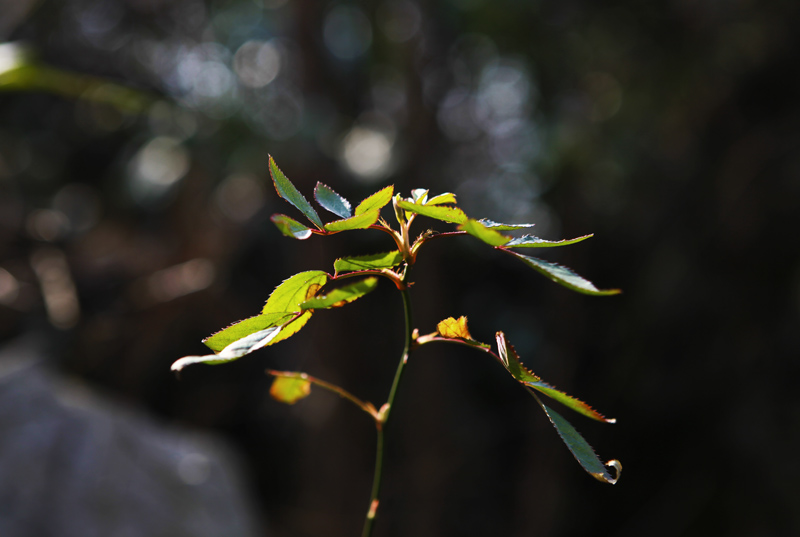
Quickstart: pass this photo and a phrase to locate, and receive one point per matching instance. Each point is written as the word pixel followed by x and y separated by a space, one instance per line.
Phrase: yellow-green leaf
pixel 453 215
pixel 291 227
pixel 342 295
pixel 439 199
pixel 359 221
pixel 376 201
pixel 217 342
pixel 289 390
pixel 454 328
pixel 288 296
pixel 487 235
pixel 368 262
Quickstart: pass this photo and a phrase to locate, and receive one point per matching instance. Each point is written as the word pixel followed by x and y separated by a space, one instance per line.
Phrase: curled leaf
pixel 503 227
pixel 439 199
pixel 289 390
pixel 244 328
pixel 529 241
pixel 291 227
pixel 235 350
pixel 454 328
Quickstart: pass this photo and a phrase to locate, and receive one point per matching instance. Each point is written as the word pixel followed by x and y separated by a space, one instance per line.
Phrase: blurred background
pixel 134 221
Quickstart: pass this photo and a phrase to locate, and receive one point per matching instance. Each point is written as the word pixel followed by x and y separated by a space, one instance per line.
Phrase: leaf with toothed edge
pixel 288 296
pixel 563 275
pixel 579 448
pixel 332 201
pixel 217 342
pixel 487 235
pixel 235 350
pixel 529 241
pixel 359 221
pixel 376 201
pixel 511 361
pixel 291 227
pixel 289 192
pixel 453 215
pixel 497 226
pixel 440 199
pixel 341 296
pixel 368 262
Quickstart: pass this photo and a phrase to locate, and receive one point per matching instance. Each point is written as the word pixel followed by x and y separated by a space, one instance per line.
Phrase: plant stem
pixel 384 418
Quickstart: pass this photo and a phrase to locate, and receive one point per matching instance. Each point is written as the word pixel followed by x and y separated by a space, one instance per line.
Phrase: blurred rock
pixel 74 464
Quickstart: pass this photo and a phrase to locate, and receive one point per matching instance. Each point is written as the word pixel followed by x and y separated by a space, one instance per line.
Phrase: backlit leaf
pixel 342 295
pixel 487 235
pixel 288 296
pixel 512 362
pixel 581 449
pixel 289 390
pixel 291 227
pixel 454 328
pixel 244 328
pixel 446 214
pixel 376 201
pixel 497 226
pixel 419 195
pixel 359 221
pixel 235 350
pixel 529 241
pixel 332 201
pixel 289 192
pixel 439 199
pixel 569 401
pixel 563 276
pixel 368 262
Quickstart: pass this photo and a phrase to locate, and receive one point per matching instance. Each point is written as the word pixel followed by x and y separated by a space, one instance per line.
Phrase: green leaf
pixel 580 449
pixel 235 350
pixel 332 201
pixel 511 361
pixel 503 227
pixel 217 342
pixel 289 192
pixel 295 290
pixel 341 296
pixel 288 296
pixel 489 236
pixel 376 201
pixel 563 276
pixel 359 221
pixel 439 199
pixel 289 390
pixel 446 214
pixel 291 227
pixel 368 262
pixel 529 241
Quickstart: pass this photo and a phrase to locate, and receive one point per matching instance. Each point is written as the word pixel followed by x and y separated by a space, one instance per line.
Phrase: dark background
pixel 668 129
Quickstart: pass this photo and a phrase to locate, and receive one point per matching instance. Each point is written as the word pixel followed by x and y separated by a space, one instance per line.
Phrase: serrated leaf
pixel 419 195
pixel 368 262
pixel 376 201
pixel 291 227
pixel 235 350
pixel 511 361
pixel 289 192
pixel 295 290
pixel 487 235
pixel 288 296
pixel 439 199
pixel 454 328
pixel 529 241
pixel 359 221
pixel 563 276
pixel 453 215
pixel 342 295
pixel 497 226
pixel 217 342
pixel 579 448
pixel 332 201
pixel 289 390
